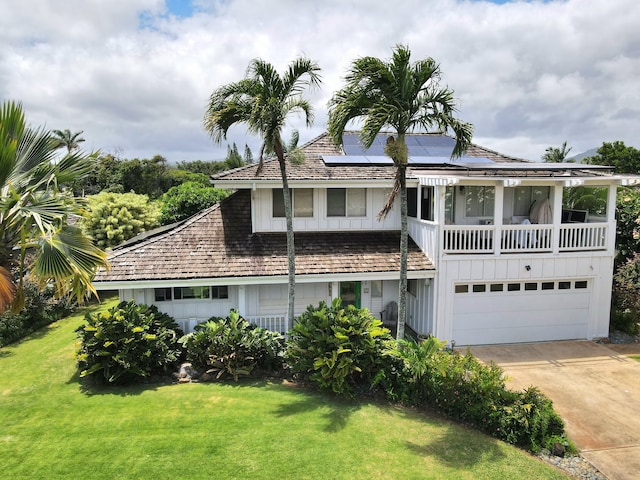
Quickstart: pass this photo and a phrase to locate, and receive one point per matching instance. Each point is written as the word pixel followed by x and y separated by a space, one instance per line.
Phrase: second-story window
pixel 302 202
pixel 479 201
pixel 346 202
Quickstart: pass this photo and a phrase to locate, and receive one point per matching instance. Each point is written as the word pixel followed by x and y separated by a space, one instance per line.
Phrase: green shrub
pixel 338 348
pixel 40 308
pixel 127 344
pixel 464 389
pixel 184 200
pixel 233 346
pixel 625 313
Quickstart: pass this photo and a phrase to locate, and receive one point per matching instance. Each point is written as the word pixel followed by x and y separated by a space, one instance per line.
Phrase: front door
pixel 350 293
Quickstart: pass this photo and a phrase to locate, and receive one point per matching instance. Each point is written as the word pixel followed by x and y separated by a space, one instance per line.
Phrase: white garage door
pixel 512 312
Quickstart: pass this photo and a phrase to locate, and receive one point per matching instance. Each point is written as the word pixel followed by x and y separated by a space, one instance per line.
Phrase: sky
pixel 135 75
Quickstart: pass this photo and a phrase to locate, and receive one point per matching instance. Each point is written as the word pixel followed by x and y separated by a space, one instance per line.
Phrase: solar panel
pixel 428 160
pixel 438 151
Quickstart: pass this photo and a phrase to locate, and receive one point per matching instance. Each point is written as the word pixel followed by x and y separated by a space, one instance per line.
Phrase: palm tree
pixel 263 100
pixel 405 97
pixel 556 155
pixel 66 139
pixel 35 237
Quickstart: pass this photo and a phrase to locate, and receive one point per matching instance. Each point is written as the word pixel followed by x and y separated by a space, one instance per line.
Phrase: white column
pixel 611 220
pixel 242 300
pixel 557 218
pixel 498 209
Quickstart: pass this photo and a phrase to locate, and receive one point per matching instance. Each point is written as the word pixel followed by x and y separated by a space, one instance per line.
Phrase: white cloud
pixel 135 79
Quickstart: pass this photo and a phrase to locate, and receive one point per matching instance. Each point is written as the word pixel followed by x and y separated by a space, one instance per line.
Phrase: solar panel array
pixel 418 145
pixel 423 150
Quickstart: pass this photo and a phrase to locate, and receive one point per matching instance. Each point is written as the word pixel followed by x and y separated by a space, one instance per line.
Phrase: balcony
pixel 479 239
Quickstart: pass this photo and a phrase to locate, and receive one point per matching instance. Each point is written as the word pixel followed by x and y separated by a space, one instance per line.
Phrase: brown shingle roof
pixel 314 168
pixel 218 243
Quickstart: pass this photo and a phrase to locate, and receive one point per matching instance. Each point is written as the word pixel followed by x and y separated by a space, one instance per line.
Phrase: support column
pixel 498 209
pixel 557 218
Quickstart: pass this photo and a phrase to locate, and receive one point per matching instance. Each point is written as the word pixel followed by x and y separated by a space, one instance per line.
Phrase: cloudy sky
pixel 135 75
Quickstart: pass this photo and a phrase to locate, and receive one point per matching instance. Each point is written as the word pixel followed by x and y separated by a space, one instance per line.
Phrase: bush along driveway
pixel 595 389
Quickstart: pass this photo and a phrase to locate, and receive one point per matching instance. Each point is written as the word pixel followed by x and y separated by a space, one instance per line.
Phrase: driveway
pixel 595 388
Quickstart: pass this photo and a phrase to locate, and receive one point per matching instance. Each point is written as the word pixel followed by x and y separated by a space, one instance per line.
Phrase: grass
pixel 635 357
pixel 51 426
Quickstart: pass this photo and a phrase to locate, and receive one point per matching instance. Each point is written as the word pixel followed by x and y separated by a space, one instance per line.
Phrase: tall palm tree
pixel 35 237
pixel 404 97
pixel 66 139
pixel 263 100
pixel 556 155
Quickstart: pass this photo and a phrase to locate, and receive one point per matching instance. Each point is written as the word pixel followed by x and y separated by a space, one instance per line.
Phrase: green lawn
pixel 635 357
pixel 50 427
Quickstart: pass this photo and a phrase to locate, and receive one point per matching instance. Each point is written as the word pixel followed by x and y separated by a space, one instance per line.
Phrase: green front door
pixel 350 293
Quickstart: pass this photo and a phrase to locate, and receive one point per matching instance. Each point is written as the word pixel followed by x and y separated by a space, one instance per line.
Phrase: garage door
pixel 512 312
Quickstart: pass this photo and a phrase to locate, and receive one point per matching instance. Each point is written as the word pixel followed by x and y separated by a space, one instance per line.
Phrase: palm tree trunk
pixel 291 254
pixel 402 294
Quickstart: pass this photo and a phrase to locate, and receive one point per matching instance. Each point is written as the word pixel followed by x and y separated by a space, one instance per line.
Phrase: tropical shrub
pixel 627 223
pixel 625 313
pixel 127 344
pixel 40 308
pixel 338 348
pixel 115 217
pixel 184 200
pixel 232 346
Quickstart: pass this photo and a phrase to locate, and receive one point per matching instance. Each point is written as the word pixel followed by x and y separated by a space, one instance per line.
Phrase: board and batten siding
pixel 595 268
pixel 264 221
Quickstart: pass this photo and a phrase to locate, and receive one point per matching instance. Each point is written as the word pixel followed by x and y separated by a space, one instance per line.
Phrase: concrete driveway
pixel 595 388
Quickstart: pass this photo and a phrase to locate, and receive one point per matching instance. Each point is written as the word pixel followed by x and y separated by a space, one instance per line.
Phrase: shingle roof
pixel 218 243
pixel 313 168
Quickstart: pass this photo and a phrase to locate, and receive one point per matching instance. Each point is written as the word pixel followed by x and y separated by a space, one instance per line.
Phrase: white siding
pixel 376 197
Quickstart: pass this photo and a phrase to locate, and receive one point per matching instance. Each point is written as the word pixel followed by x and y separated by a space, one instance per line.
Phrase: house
pixel 501 250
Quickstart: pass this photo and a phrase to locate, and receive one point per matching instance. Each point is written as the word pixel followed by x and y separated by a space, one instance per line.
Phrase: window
pixel 513 287
pixel 581 284
pixel 346 202
pixel 302 202
pixel 531 286
pixel 220 292
pixel 524 197
pixel 479 288
pixel 426 203
pixel 412 202
pixel 547 285
pixel 496 287
pixel 479 201
pixel 186 293
pixel 462 288
pixel 376 288
pixel 412 287
pixel 564 285
pixel 162 294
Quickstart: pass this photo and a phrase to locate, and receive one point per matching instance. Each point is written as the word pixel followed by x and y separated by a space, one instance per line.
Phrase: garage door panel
pixel 522 316
pixel 520 334
pixel 474 302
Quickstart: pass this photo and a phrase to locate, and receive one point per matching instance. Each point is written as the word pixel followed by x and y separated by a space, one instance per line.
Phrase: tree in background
pixel 248 155
pixel 556 155
pixel 263 100
pixel 113 218
pixel 66 139
pixel 234 159
pixel 35 237
pixel 187 199
pixel 199 166
pixel 403 96
pixel 616 154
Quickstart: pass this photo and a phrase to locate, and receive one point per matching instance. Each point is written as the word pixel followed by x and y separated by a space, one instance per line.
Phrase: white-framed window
pixel 302 202
pixel 479 200
pixel 220 292
pixel 376 288
pixel 162 294
pixel 524 198
pixel 346 202
pixel 188 293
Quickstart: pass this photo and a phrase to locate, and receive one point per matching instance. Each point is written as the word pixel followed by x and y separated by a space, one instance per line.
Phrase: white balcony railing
pixel 583 236
pixel 525 238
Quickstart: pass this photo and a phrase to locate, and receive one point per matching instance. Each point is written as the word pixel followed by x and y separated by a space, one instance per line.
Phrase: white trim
pixel 283 279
